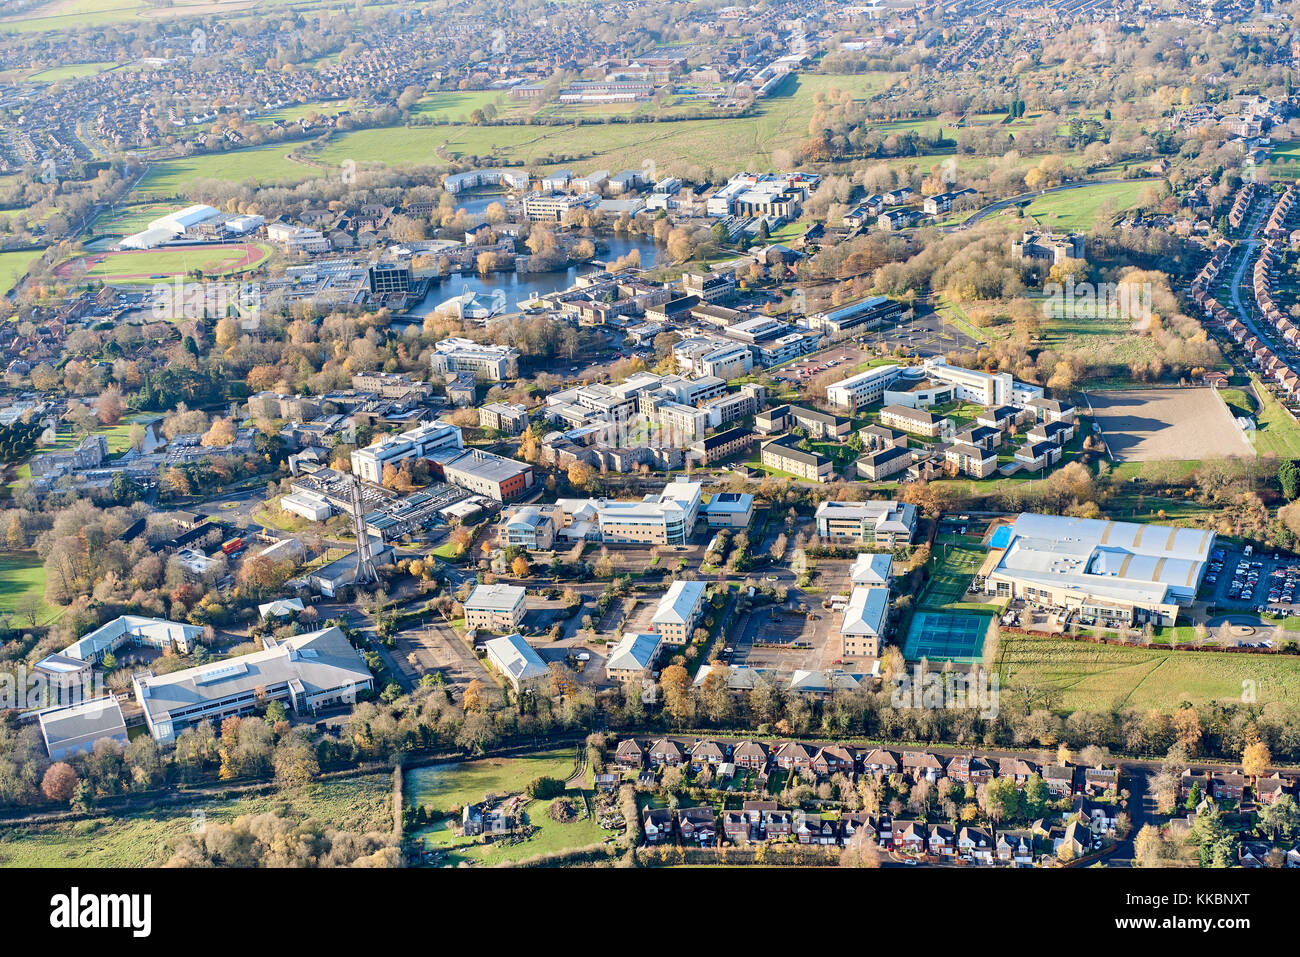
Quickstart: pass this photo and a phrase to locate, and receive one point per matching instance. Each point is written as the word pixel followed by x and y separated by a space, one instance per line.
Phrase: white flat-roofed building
pixel 986 388
pixel 1119 572
pixel 864 621
pixel 861 390
pixel 71 730
pixel 417 443
pixel 311 506
pixel 679 611
pixel 887 523
pixel 457 354
pixel 309 671
pixel 517 662
pixel 156 633
pixel 498 607
pixel 665 518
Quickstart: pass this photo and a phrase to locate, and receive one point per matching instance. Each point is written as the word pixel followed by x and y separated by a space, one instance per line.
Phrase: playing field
pixel 943 636
pixel 144 265
pixel 1066 675
pixel 1142 425
pixel 1079 208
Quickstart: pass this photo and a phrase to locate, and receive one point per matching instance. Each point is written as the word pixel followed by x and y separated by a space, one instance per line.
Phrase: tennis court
pixel 955 567
pixel 946 637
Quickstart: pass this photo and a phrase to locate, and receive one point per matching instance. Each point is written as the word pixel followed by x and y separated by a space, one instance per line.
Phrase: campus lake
pixel 518 287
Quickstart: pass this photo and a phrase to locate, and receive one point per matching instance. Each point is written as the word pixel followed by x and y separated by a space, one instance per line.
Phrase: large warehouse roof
pixel 1116 559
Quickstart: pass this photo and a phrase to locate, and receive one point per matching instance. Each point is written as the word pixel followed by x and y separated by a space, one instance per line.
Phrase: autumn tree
pixel 59 782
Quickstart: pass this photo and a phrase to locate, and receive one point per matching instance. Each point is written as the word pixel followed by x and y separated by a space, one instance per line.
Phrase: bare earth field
pixel 1142 425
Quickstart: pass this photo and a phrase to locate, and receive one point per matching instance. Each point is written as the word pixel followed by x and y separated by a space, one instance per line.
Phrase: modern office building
pixel 883 523
pixel 810 466
pixel 482 360
pixel 861 390
pixel 309 671
pixel 863 627
pixel 417 443
pixel 664 518
pixel 517 662
pixel 679 611
pixel 496 607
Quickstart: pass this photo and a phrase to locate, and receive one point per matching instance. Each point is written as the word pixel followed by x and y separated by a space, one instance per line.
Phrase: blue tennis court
pixel 946 636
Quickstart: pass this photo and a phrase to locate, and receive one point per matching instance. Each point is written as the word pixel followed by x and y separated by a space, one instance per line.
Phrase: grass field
pixel 443 787
pixel 779 122
pixel 361 804
pixel 266 165
pixel 14 265
pixel 1277 431
pixel 70 71
pixel 23 573
pixel 147 265
pixel 1078 208
pixel 1075 675
pixel 132 218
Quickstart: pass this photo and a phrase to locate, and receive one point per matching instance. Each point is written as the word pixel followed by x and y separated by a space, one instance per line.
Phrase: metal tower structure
pixel 365 571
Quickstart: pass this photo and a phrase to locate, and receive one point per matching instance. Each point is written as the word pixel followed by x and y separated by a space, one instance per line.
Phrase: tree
pixel 676 686
pixel 15 537
pixel 109 407
pixel 520 567
pixel 1150 849
pixel 295 762
pixel 1288 477
pixel 60 782
pixel 1255 759
pixel 221 434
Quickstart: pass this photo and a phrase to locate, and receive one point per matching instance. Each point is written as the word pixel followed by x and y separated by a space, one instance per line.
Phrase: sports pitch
pixel 955 567
pixel 946 636
pixel 138 266
pixel 1144 425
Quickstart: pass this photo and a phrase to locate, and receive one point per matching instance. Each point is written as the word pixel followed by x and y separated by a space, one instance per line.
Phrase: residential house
pixel 666 753
pixel 1059 779
pixel 970 768
pixel 658 825
pixel 698 826
pixel 750 755
pixel 629 754
pixel 832 759
pixel 922 764
pixel 975 844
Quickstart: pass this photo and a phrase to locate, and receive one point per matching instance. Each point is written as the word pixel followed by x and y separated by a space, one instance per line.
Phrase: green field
pixel 71 71
pixel 213 261
pixel 1077 209
pixel 455 106
pixel 778 122
pixel 144 839
pixel 23 573
pixel 14 265
pixel 1075 675
pixel 266 165
pixel 132 218
pixel 442 787
pixel 1277 432
pixel 446 786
